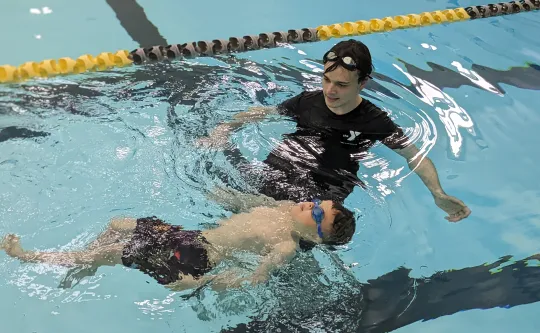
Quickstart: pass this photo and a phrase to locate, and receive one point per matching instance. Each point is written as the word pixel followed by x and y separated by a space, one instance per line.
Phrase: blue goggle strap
pixel 319 231
pixel 317 213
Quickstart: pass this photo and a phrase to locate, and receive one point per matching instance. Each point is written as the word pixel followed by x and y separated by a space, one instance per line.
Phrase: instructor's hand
pixel 218 138
pixel 455 208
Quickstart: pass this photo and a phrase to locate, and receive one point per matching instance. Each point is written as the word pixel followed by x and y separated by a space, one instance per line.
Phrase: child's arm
pixel 226 279
pixel 187 282
pixel 238 202
pixel 280 254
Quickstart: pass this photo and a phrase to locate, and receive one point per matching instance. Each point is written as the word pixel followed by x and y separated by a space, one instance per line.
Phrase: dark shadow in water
pixel 394 300
pixel 15 132
pixel 134 20
pixel 527 77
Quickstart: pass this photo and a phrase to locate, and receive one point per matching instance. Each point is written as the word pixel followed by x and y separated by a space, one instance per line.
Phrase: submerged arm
pixel 280 254
pixel 231 278
pixel 425 169
pixel 237 202
pixel 255 113
pixel 220 135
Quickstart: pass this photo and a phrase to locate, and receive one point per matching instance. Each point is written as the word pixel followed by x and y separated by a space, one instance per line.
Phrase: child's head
pixel 337 224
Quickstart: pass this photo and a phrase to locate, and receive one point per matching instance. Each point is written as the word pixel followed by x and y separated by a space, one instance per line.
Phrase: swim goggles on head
pixel 347 62
pixel 318 215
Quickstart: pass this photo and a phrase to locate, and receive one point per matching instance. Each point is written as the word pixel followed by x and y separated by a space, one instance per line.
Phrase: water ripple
pixel 452 116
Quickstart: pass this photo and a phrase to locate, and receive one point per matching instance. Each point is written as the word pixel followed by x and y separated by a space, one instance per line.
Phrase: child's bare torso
pixel 255 231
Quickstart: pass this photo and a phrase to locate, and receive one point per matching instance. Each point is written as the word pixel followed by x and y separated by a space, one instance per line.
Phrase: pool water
pixel 78 150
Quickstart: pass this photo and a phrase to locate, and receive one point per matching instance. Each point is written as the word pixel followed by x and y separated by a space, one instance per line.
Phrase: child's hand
pixel 227 279
pixel 185 282
pixel 257 278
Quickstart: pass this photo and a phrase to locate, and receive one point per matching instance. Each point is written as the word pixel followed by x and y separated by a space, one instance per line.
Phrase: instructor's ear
pixel 363 83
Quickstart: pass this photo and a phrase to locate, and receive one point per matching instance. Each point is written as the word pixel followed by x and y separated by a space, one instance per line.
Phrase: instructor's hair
pixel 360 54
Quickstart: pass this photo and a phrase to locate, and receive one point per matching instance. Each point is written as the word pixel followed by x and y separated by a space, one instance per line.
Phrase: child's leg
pixel 75 275
pixel 123 224
pixel 119 229
pixel 100 256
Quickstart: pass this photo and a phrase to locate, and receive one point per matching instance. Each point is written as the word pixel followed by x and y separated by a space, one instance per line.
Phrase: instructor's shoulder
pixel 369 106
pixel 307 96
pixel 375 112
pixel 293 105
pixel 311 97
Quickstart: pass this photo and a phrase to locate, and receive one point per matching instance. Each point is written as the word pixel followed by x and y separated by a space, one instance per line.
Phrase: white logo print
pixel 353 135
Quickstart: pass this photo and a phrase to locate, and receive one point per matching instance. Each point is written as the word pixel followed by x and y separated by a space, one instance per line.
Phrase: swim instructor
pixel 335 129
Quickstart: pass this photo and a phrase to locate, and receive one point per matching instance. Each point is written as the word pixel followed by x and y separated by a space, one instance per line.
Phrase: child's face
pixel 301 213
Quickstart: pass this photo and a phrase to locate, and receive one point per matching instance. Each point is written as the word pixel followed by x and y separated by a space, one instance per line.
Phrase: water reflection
pixel 34 281
pixel 452 116
pixel 476 78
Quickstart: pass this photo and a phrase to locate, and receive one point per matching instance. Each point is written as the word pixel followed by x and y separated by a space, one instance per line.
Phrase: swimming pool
pixel 77 150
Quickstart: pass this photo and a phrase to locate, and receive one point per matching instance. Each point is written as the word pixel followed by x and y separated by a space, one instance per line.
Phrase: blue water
pixel 120 143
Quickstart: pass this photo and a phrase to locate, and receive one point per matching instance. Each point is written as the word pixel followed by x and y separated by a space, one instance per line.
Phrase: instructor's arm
pixel 219 137
pixel 424 168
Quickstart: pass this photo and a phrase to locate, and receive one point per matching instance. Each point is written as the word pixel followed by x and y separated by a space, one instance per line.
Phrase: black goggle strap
pixel 347 61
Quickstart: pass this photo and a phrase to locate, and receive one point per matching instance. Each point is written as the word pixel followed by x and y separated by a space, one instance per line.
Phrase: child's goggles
pixel 318 215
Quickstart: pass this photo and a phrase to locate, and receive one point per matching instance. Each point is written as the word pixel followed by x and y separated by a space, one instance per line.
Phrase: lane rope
pixel 107 60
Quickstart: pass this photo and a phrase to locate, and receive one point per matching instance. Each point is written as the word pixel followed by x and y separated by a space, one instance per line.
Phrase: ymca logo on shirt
pixel 351 136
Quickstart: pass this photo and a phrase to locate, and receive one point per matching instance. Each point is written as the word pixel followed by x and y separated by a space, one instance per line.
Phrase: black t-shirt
pixel 325 139
pixel 321 157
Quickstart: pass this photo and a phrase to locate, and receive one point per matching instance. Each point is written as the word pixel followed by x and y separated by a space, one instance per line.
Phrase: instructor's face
pixel 340 87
